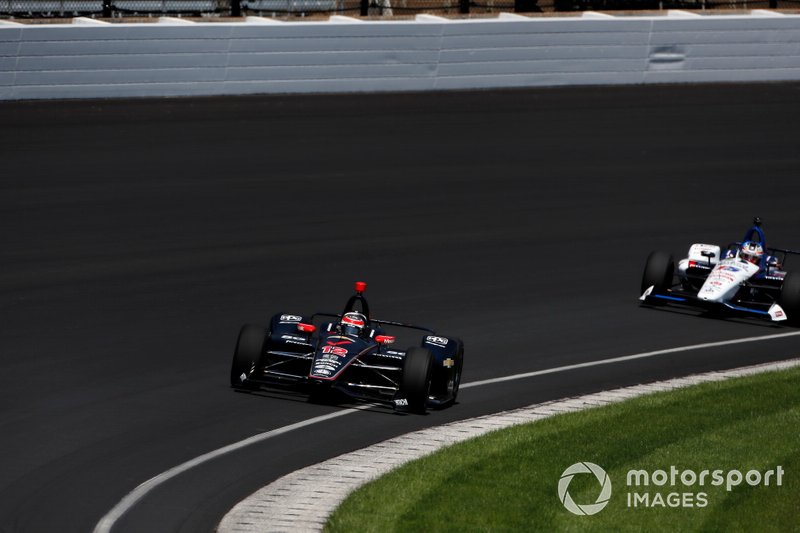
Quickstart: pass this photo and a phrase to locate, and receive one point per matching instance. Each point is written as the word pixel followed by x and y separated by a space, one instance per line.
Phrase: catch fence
pixel 121 9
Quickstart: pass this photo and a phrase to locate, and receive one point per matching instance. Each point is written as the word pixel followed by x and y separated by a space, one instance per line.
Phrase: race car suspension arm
pixel 291 355
pixel 365 386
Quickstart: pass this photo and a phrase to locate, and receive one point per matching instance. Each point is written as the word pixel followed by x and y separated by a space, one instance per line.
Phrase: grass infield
pixel 508 480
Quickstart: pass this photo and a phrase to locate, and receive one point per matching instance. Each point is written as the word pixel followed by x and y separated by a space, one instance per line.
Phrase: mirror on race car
pixel 384 339
pixel 306 328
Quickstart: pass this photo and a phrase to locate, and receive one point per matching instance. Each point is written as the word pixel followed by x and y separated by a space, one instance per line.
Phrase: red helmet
pixel 353 323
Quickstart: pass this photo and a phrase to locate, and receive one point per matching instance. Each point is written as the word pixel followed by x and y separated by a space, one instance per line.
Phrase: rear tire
pixel 416 384
pixel 658 272
pixel 247 354
pixel 789 299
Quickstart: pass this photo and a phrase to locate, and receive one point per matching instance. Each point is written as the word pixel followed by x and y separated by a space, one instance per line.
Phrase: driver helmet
pixel 751 252
pixel 353 324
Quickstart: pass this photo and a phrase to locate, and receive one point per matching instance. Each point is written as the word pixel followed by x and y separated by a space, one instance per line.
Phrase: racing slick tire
pixel 249 348
pixel 789 298
pixel 416 383
pixel 658 272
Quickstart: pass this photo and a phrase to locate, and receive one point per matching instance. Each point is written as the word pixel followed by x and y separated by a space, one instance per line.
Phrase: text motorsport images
pixel 644 487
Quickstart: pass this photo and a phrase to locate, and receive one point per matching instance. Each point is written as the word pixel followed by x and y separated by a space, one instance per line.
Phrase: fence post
pixel 236 8
pixel 463 6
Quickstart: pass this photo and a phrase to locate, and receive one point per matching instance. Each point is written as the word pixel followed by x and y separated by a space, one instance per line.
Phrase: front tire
pixel 247 354
pixel 417 373
pixel 789 299
pixel 658 272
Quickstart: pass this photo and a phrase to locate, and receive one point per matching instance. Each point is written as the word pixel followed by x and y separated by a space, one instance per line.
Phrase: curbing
pixel 303 500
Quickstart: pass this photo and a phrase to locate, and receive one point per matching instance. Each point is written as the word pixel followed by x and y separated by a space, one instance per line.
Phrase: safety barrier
pixel 363 8
pixel 90 59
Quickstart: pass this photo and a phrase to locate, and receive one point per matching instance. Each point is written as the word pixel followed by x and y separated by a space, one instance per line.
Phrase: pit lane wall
pixel 172 57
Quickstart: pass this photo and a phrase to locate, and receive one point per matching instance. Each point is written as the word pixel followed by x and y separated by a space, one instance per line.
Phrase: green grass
pixel 507 480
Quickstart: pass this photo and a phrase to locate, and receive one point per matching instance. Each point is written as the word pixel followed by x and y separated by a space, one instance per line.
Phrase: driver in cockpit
pixel 353 324
pixel 752 252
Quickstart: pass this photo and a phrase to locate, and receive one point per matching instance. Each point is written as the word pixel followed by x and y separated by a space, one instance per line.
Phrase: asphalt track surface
pixel 137 236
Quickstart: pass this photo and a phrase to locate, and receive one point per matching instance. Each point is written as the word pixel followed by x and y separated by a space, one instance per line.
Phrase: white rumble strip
pixel 303 500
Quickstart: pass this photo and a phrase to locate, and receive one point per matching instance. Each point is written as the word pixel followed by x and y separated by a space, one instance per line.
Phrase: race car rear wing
pixel 380 322
pixel 786 253
pixel 781 250
pixel 403 325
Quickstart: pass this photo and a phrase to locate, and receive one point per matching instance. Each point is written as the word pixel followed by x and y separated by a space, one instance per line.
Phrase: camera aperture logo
pixel 586 509
pixel 668 487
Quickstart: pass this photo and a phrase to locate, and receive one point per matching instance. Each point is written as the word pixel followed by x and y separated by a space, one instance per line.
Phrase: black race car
pixel 350 353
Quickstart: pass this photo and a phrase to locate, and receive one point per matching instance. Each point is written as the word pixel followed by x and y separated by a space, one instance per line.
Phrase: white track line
pixel 643 355
pixel 109 520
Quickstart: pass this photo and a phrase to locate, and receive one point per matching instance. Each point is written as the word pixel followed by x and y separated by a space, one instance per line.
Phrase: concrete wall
pixel 88 59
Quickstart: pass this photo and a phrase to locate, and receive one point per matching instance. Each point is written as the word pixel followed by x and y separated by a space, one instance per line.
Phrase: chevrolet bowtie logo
pixel 448 363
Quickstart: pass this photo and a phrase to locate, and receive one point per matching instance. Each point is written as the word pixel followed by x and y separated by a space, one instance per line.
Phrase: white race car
pixel 748 277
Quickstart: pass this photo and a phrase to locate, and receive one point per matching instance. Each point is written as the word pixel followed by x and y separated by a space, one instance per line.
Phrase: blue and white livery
pixel 746 278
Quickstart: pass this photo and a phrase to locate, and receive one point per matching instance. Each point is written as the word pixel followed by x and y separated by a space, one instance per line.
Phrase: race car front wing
pixel 774 311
